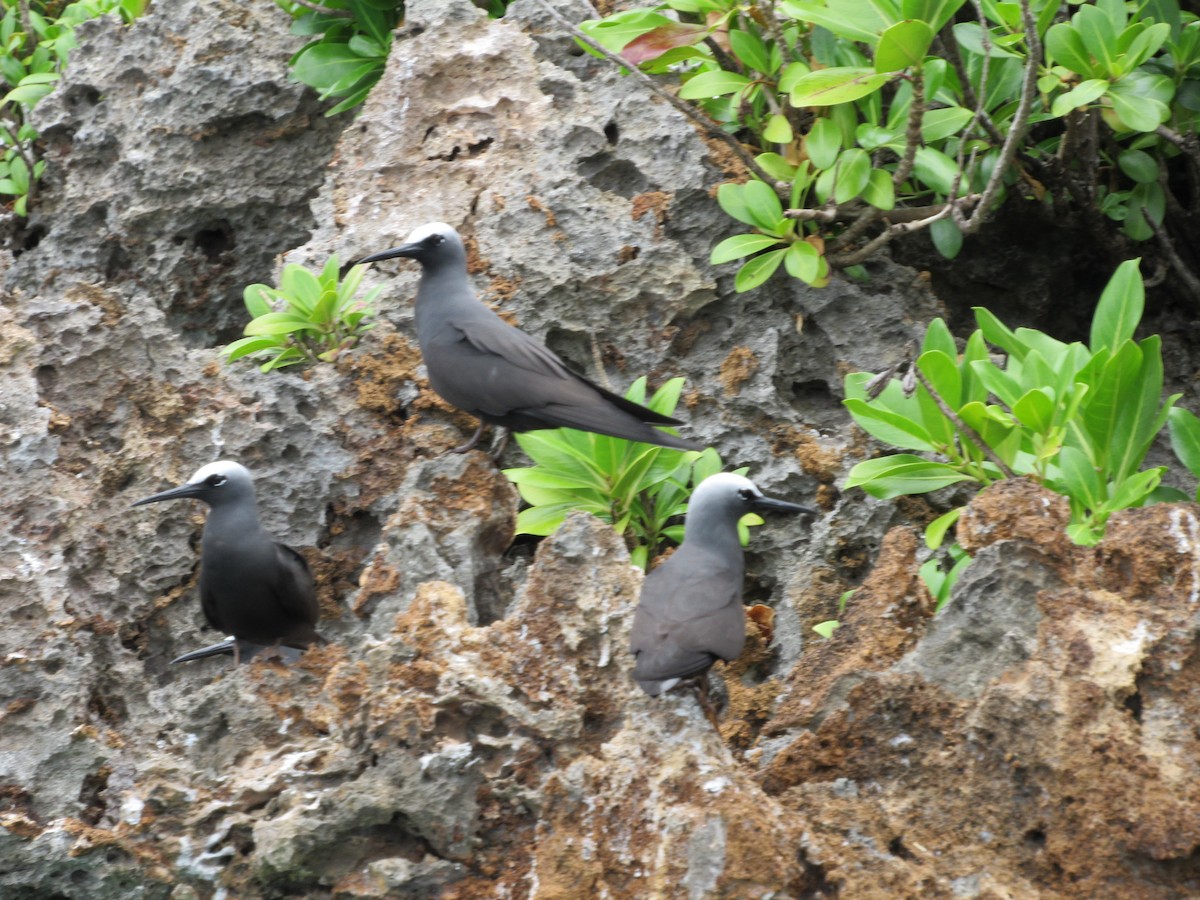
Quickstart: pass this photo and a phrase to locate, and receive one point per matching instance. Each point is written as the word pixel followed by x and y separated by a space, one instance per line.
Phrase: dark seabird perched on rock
pixel 690 612
pixel 252 587
pixel 479 363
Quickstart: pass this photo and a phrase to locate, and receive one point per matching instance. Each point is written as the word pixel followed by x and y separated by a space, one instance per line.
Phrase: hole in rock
pixel 612 132
pixel 214 240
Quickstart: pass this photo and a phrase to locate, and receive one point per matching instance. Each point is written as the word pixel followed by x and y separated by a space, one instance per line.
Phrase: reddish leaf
pixel 654 44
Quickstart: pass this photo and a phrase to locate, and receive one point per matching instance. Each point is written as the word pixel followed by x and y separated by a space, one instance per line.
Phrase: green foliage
pixel 642 490
pixel 351 41
pixel 307 318
pixel 34 47
pixel 854 115
pixel 1184 428
pixel 1078 419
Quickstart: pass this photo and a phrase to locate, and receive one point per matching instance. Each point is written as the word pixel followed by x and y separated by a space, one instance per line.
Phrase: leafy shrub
pixel 34 47
pixel 871 119
pixel 307 318
pixel 640 489
pixel 1076 418
pixel 1184 428
pixel 352 39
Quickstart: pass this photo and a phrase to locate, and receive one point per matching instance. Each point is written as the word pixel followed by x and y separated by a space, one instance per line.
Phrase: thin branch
pixel 950 51
pixel 1186 275
pixel 893 231
pixel 966 429
pixel 912 139
pixel 869 217
pixel 855 211
pixel 1020 122
pixel 325 10
pixel 687 109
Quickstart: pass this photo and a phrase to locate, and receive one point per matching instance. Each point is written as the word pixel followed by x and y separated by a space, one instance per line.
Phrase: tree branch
pixel 713 128
pixel 970 433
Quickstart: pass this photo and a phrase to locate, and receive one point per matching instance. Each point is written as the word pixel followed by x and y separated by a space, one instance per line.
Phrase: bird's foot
pixel 501 445
pixel 472 443
pixel 706 704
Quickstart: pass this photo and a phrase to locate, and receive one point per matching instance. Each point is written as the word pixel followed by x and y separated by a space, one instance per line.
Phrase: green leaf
pixel 1131 492
pixel 1137 101
pixel 939 124
pixel 936 13
pixel 903 473
pixel 776 166
pixel 323 63
pixel 947 237
pixel 542 520
pixel 730 198
pixel 902 46
pixel 1079 479
pixel 763 206
pixel 941 370
pixel 28 94
pixel 1064 45
pixel 246 346
pixel 1081 95
pixel 778 129
pixel 855 20
pixel 997 333
pixel 827 628
pixel 1035 410
pixel 938 337
pixel 758 270
pixel 888 426
pixel 970 37
pixel 750 49
pixel 654 43
pixel 823 143
pixel 1120 308
pixel 300 288
pixel 803 261
pixel 1099 38
pixel 935 169
pixel 935 531
pixel 1184 429
pixel 276 323
pixel 841 84
pixel 740 245
pixel 1139 165
pixel 713 83
pixel 880 192
pixel 853 174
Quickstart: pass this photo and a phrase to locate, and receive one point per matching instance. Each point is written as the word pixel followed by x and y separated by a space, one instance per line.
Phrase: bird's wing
pixel 689 615
pixel 293 587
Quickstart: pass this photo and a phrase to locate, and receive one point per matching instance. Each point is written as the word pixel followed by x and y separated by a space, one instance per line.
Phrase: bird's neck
pixel 716 537
pixel 442 294
pixel 234 525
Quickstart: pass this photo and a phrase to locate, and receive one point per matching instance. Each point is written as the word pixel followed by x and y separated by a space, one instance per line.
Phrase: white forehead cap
pixel 231 470
pixel 727 484
pixel 424 231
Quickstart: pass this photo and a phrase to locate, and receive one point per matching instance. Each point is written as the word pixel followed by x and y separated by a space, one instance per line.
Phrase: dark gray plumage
pixel 486 367
pixel 690 612
pixel 251 586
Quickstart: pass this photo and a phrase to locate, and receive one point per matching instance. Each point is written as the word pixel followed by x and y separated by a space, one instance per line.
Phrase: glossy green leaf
pixel 278 323
pixel 1139 165
pixel 713 83
pixel 740 245
pixel 902 473
pixel 939 124
pixel 936 13
pixel 941 370
pixel 1120 308
pixel 1185 438
pixel 1085 93
pixel 758 270
pixel 935 531
pixel 803 261
pixel 855 20
pixel 763 206
pixel 935 169
pixel 1035 410
pixel 903 46
pixel 778 130
pixel 880 192
pixel 888 426
pixel 840 84
pixel 823 143
pixel 750 49
pixel 827 628
pixel 853 174
pixel 947 237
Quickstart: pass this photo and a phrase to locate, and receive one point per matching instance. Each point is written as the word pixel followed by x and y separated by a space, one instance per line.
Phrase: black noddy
pixel 479 363
pixel 690 612
pixel 252 587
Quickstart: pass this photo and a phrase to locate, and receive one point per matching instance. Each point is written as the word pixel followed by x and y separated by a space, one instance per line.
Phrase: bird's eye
pixel 746 494
pixel 434 239
pixel 215 480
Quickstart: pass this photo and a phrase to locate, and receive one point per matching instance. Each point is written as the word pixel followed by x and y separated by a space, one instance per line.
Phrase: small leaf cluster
pixel 308 318
pixel 1184 428
pixel 34 47
pixel 1077 418
pixel 642 490
pixel 350 46
pixel 352 39
pixel 857 113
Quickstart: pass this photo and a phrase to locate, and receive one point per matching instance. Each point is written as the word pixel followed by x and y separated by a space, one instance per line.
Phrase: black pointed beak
pixel 176 493
pixel 408 250
pixel 770 504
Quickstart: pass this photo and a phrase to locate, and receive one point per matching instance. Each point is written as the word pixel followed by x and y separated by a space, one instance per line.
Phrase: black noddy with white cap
pixel 479 363
pixel 252 587
pixel 690 612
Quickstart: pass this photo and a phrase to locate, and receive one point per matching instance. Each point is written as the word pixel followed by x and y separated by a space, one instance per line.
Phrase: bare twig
pixel 895 230
pixel 1186 275
pixel 713 128
pixel 325 10
pixel 855 211
pixel 1020 122
pixel 970 433
pixel 950 52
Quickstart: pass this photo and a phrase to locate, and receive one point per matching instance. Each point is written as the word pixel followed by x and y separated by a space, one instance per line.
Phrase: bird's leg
pixel 710 712
pixel 501 445
pixel 473 442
